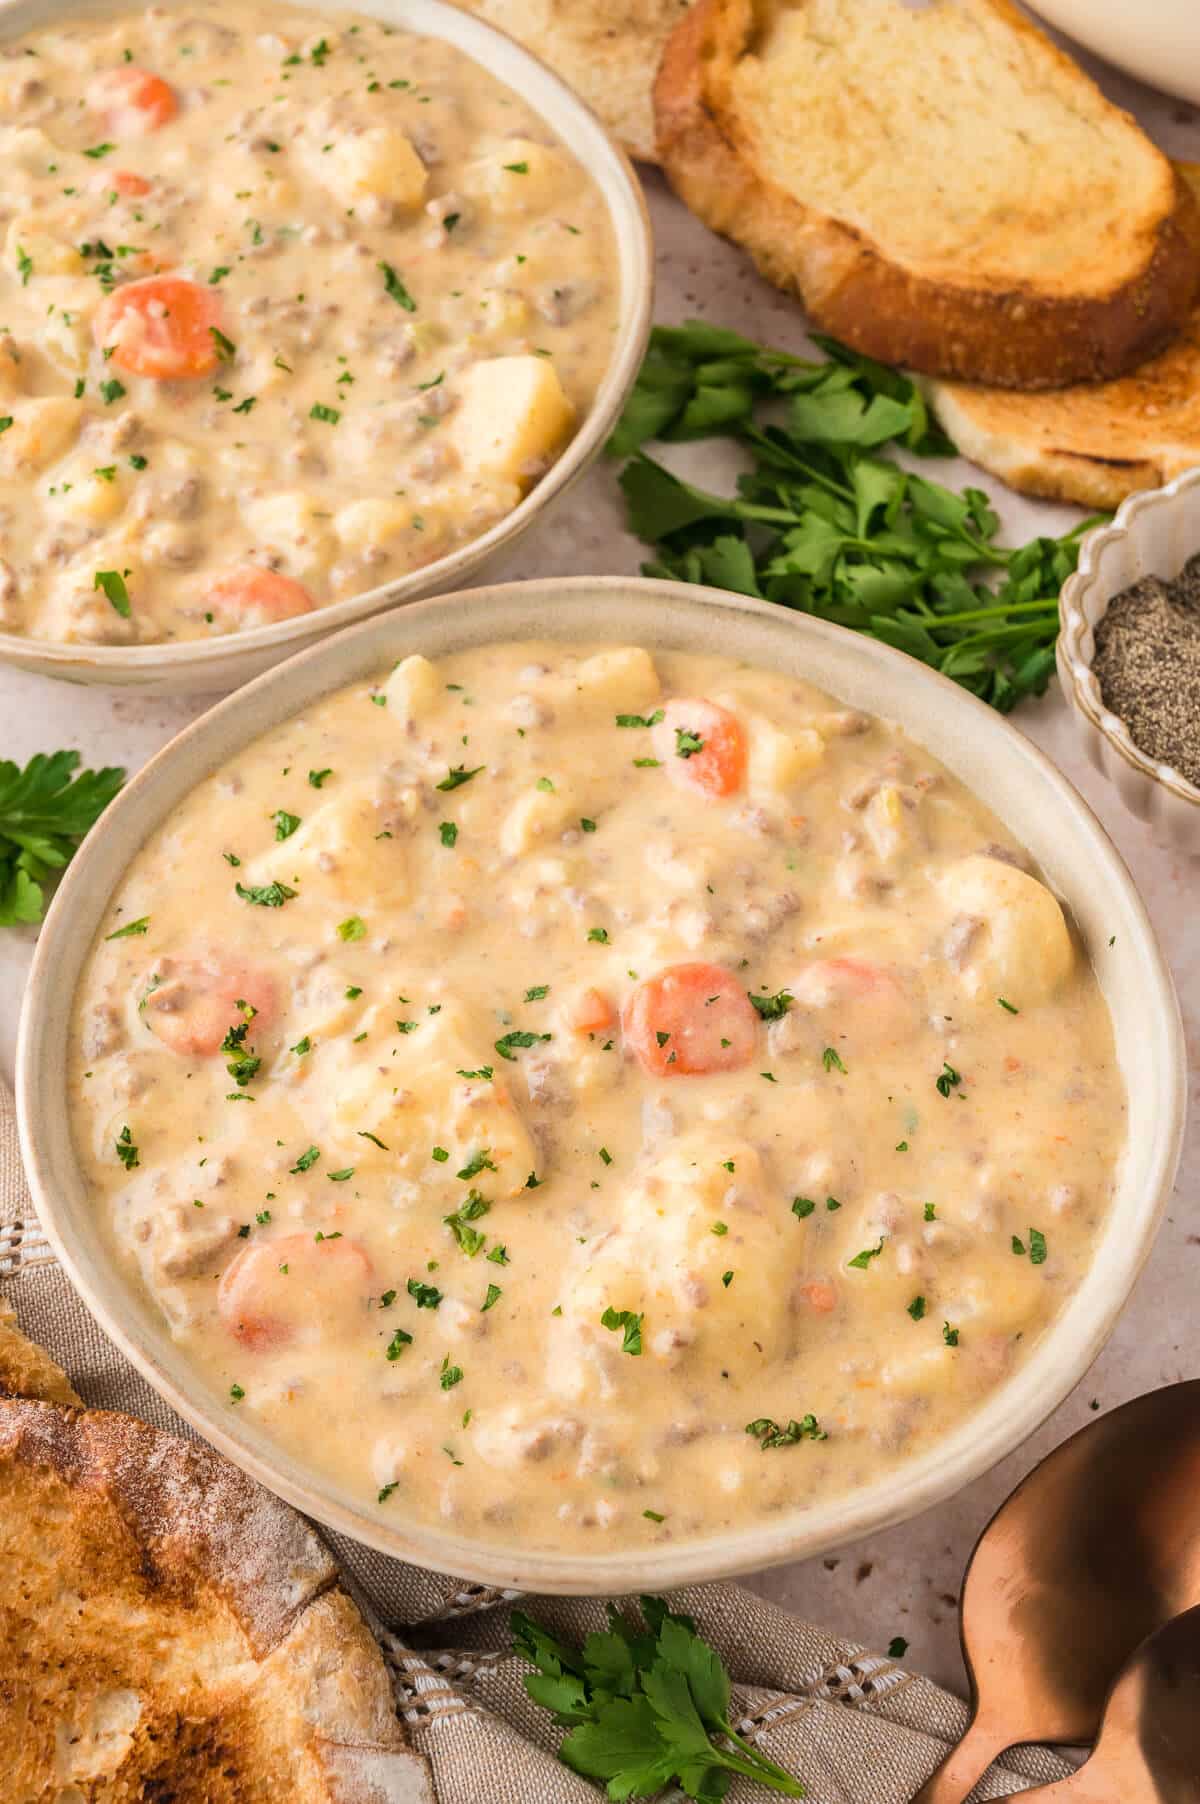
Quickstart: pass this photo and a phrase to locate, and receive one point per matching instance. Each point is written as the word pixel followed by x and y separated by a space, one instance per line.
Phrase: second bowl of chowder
pixel 605 1085
pixel 304 311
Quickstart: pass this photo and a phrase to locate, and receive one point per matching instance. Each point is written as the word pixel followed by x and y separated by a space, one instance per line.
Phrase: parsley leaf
pixel 265 895
pixel 454 779
pixel 519 1038
pixel 616 1319
pixel 772 1008
pixel 768 1433
pixel 395 287
pixel 45 810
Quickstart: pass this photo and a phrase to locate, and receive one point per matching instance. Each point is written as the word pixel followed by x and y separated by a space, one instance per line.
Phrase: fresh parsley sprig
pixel 642 1706
pixel 826 524
pixel 45 810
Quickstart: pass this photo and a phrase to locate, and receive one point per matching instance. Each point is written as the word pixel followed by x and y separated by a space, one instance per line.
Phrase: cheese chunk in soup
pixel 291 304
pixel 593 1097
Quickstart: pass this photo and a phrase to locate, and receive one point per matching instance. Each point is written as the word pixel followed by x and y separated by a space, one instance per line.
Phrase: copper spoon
pixel 1149 1746
pixel 1096 1549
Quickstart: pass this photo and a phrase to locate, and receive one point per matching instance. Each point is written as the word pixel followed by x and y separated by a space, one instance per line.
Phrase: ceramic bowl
pixel 1010 775
pixel 1153 534
pixel 214 666
pixel 1159 43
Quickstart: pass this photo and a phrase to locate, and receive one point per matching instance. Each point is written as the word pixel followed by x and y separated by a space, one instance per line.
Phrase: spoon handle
pixel 964 1764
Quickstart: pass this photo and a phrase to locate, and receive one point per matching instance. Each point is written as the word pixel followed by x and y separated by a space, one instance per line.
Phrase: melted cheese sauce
pixel 289 306
pixel 594 1097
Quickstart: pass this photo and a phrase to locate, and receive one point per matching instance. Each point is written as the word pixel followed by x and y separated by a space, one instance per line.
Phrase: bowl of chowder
pixel 305 311
pixel 600 1083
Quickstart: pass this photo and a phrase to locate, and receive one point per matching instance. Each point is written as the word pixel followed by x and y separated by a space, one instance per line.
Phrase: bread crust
pixel 1010 337
pixel 180 1626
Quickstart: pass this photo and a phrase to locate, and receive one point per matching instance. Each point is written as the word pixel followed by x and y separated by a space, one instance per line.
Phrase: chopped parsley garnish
pixel 218 274
pixel 1037 1247
pixel 538 993
pixel 831 1203
pixel 111 390
pixel 498 1255
pixel 387 1299
pixel 285 823
pixel 640 720
pixel 687 744
pixel 425 1296
pixel 517 168
pixel 949 1335
pixel 127 1152
pixel 586 825
pixel 265 895
pixel 247 405
pixel 862 1260
pixel 769 1433
pixel 319 411
pixel 831 1060
pixel 947 1081
pixel 605 1155
pixel 519 1038
pixel 317 777
pixel 494 1294
pixel 1007 1005
pixel 339 1177
pixel 653 1516
pixel 353 992
pixel 400 1339
pixel 97 151
pixel 448 833
pixel 24 266
pixel 138 461
pixel 599 934
pixel 131 931
pixel 1018 1247
pixel 483 1075
pixel 469 1240
pixel 917 1309
pixel 455 778
pixel 113 585
pixel 395 287
pixel 236 1393
pixel 352 928
pixel 449 1375
pixel 772 1008
pixel 617 1319
pixel 931 1212
pixel 803 1206
pixel 306 1160
pixel 897 1647
pixel 727 1279
pixel 480 1162
pixel 385 1491
pixel 719 1228
pixel 440 1154
pixel 225 346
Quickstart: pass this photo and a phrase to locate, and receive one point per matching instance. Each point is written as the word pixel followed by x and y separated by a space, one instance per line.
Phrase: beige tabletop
pixel 904 1581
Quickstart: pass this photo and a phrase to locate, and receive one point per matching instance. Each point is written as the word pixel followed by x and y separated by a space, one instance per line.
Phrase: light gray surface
pixel 905 1580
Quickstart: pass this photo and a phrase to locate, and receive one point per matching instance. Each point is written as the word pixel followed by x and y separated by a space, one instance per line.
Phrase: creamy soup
pixel 594 1097
pixel 290 304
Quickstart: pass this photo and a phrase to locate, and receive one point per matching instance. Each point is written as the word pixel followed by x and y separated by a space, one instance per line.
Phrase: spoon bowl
pixel 1094 1551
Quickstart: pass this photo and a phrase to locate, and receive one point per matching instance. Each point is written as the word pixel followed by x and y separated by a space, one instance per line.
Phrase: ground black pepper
pixel 1147 663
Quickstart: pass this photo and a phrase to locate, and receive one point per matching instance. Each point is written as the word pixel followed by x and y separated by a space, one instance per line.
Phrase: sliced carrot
pixel 165 327
pixel 591 1013
pixel 132 101
pixel 324 1288
pixel 248 595
pixel 129 183
pixel 196 1003
pixel 702 745
pixel 690 1019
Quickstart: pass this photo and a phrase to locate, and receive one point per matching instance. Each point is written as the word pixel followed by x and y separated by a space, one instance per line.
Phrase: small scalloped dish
pixel 1153 534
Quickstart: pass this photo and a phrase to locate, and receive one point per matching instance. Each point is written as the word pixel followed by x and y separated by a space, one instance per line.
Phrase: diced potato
pixel 289 525
pixel 623 679
pixel 372 521
pixel 41 430
pixel 536 815
pixel 32 250
pixel 518 176
pixel 501 310
pixel 512 416
pixel 10 369
pixel 378 162
pixel 413 687
pixel 1022 949
pixel 80 494
pixel 66 336
pixel 26 151
pixel 778 761
pixel 336 856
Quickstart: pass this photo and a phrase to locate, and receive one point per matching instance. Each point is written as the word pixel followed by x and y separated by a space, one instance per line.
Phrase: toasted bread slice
pixel 607 50
pixel 169 1630
pixel 940 184
pixel 25 1369
pixel 1094 443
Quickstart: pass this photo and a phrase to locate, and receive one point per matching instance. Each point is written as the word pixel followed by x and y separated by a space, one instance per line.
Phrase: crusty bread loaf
pixel 607 50
pixel 169 1630
pixel 940 184
pixel 1093 443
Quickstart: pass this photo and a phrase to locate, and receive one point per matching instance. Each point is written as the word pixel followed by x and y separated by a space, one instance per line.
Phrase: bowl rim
pixel 668 615
pixel 1075 661
pixel 201 664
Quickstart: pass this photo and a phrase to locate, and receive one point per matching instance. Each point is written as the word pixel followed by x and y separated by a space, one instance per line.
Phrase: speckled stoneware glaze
pixel 214 666
pixel 1003 768
pixel 1153 534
